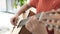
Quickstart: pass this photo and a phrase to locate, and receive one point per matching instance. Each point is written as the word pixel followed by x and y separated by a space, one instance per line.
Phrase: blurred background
pixel 8 8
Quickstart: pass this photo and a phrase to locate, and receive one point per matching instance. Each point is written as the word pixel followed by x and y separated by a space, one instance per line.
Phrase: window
pixel 2 5
pixel 7 6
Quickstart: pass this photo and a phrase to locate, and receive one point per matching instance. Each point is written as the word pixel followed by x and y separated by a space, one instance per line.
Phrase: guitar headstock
pixel 51 19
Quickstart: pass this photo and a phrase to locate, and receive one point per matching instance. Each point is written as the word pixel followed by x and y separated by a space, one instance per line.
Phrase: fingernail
pixel 50 27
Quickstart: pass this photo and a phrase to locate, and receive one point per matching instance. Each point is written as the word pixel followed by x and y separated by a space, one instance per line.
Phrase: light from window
pixel 2 5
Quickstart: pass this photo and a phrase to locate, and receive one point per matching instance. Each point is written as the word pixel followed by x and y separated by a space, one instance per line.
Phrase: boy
pixel 33 24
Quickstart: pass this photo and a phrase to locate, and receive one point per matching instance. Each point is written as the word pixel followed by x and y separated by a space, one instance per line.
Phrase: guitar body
pixel 22 29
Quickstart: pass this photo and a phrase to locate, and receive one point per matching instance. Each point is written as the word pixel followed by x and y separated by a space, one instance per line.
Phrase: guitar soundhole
pixel 58 12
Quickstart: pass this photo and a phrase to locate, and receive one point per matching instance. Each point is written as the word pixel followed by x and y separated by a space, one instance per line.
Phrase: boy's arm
pixel 23 9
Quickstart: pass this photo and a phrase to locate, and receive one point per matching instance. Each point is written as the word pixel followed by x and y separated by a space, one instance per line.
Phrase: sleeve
pixel 33 3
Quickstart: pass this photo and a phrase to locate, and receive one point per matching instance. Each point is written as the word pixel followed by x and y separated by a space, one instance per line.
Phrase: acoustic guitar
pixel 21 29
pixel 51 19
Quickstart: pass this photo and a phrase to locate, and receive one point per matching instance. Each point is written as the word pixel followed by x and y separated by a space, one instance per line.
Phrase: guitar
pixel 51 19
pixel 21 29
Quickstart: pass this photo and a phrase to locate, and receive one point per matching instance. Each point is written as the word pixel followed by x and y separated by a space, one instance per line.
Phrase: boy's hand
pixel 35 27
pixel 14 20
